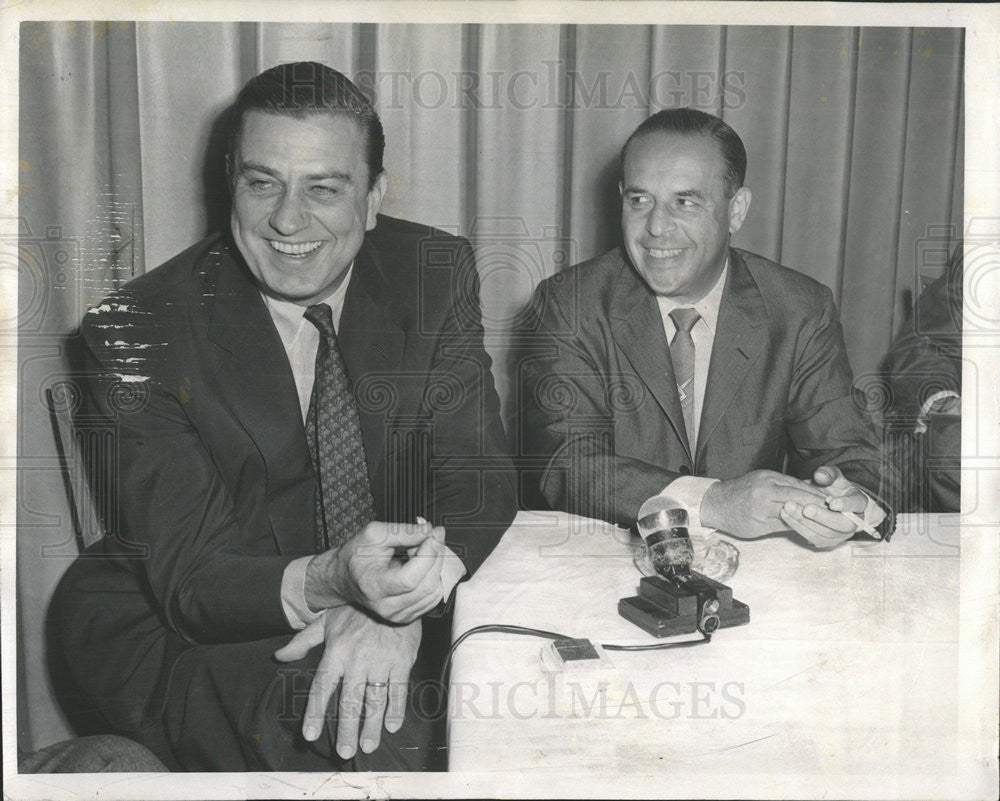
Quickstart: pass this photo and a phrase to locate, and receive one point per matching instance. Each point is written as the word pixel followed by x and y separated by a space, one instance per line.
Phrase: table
pixel 847 670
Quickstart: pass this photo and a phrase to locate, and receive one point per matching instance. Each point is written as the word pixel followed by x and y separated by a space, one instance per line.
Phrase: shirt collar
pixel 707 307
pixel 288 316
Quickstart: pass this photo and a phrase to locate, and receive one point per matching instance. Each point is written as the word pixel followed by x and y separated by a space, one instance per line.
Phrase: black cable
pixel 498 627
pixel 683 644
pixel 551 635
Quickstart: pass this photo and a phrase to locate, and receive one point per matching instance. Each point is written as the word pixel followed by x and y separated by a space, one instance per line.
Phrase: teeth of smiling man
pixel 294 248
pixel 665 254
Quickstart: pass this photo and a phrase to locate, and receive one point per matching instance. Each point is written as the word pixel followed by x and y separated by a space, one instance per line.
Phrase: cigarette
pixel 866 527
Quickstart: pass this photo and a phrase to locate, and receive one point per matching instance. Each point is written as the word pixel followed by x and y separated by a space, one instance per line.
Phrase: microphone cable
pixel 504 628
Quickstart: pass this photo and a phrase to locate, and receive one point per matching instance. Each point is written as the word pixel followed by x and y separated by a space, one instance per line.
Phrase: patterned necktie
pixel 682 356
pixel 333 432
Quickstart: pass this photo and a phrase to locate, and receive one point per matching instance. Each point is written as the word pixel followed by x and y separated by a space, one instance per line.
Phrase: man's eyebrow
pixel 335 175
pixel 253 166
pixel 693 193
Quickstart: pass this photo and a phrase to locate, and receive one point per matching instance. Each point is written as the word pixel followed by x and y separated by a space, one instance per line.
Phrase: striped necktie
pixel 682 356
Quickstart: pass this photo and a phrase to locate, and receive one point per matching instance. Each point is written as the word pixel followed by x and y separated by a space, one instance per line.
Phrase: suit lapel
pixel 256 382
pixel 372 339
pixel 638 330
pixel 738 342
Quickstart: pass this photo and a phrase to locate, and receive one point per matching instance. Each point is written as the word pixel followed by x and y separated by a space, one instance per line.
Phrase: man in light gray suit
pixel 679 364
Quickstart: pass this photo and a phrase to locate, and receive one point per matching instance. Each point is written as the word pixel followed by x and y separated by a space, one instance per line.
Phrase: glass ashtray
pixel 714 557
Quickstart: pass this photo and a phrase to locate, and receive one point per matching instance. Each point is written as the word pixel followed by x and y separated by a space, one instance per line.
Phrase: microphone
pixel 681 599
pixel 663 525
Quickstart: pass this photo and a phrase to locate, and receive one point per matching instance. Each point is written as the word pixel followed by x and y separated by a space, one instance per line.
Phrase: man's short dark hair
pixel 308 87
pixel 693 122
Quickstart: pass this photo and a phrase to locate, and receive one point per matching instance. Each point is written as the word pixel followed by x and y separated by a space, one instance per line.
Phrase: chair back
pixel 84 463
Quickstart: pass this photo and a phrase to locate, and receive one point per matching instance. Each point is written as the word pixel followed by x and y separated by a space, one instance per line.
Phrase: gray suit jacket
pixel 600 417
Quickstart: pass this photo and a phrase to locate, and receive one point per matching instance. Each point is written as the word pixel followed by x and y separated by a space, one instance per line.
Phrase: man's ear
pixel 621 189
pixel 375 195
pixel 739 205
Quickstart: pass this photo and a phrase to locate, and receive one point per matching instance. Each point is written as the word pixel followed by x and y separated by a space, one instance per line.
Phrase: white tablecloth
pixel 848 667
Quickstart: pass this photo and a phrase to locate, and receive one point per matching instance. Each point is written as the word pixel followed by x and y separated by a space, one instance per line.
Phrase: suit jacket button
pixel 685 470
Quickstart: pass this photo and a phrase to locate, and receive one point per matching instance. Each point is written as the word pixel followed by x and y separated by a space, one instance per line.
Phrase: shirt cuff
pixel 925 410
pixel 293 594
pixel 452 570
pixel 690 490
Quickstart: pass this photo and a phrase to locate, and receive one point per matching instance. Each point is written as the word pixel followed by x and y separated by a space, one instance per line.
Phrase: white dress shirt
pixel 301 340
pixel 690 490
pixel 702 334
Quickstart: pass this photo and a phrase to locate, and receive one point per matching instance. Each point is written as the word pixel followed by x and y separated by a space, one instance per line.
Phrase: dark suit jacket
pixel 214 483
pixel 600 415
pixel 926 358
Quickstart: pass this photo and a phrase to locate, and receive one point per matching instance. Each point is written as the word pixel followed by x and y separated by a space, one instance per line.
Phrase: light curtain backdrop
pixel 507 134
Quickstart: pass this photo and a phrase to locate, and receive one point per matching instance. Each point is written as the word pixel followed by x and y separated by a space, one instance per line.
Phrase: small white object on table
pixel 847 671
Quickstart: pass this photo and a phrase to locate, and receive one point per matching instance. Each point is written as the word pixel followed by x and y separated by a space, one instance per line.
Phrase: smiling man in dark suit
pixel 678 364
pixel 307 390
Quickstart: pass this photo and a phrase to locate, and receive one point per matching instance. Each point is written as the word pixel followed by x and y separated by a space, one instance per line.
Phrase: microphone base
pixel 666 607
